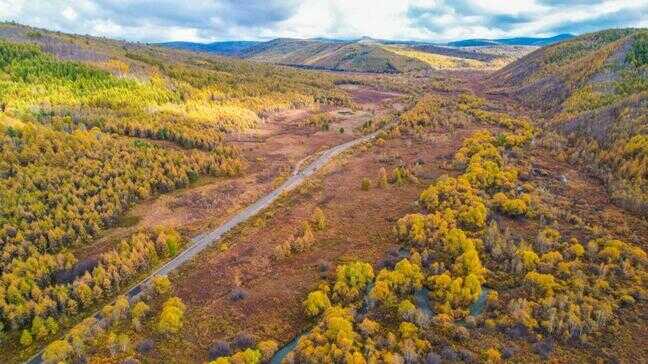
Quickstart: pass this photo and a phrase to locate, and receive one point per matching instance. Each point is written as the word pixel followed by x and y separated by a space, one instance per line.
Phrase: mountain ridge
pixel 367 54
pixel 222 47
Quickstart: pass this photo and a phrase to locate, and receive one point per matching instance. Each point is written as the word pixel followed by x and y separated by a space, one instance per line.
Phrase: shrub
pixel 351 280
pixel 244 340
pixel 38 329
pixel 511 206
pixel 305 241
pixel 545 282
pixel 281 251
pixel 382 178
pixel 26 338
pixel 316 303
pixel 238 294
pixel 638 54
pixel 52 325
pixel 366 184
pixel 458 195
pixel 140 309
pixel 145 346
pixel 492 355
pixel 57 351
pixel 391 284
pixel 406 310
pixel 576 250
pixel 161 285
pixel 627 300
pixel 249 356
pixel 267 348
pixel 319 219
pixel 321 120
pixel 171 317
pixel 546 239
pixel 219 349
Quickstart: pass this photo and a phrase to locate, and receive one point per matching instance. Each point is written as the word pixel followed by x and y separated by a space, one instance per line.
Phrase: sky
pixel 427 20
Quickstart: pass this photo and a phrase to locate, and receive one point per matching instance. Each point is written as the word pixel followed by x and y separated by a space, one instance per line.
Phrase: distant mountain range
pixel 224 48
pixel 237 47
pixel 522 41
pixel 373 55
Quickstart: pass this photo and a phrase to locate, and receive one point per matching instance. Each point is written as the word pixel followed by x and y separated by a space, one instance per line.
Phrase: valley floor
pixel 360 227
pixel 241 286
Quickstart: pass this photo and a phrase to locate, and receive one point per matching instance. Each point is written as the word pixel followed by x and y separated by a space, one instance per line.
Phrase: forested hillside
pixel 374 56
pixel 84 139
pixel 593 92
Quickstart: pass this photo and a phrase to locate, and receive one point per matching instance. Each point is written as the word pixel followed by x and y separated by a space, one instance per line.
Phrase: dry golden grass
pixel 442 62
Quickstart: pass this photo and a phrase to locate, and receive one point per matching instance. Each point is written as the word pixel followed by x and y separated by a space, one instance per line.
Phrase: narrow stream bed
pixel 281 354
pixel 421 301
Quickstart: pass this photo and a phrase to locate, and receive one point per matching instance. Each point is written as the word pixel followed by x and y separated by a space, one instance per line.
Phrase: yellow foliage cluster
pixel 424 112
pixel 24 298
pixel 321 120
pixel 458 195
pixel 337 338
pixel 296 245
pixel 425 230
pixel 512 206
pixel 520 129
pixel 443 62
pixel 351 280
pixel 462 285
pixel 457 202
pixel 404 279
pixel 261 354
pixel 316 303
pixel 100 341
pixel 432 111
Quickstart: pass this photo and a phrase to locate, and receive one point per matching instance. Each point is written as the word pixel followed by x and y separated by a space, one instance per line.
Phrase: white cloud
pixel 69 13
pixel 436 20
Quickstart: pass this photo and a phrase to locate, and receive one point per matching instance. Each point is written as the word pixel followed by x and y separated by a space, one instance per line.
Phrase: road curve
pixel 202 241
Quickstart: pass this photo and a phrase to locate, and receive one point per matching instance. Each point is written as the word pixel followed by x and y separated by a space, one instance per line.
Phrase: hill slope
pixel 370 55
pixel 593 90
pixel 89 127
pixel 363 55
pixel 359 56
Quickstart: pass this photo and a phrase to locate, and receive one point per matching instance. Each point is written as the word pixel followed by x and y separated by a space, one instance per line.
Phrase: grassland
pixel 444 62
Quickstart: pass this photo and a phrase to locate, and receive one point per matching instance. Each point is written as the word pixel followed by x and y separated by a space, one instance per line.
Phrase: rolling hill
pixel 364 54
pixel 361 56
pixel 593 92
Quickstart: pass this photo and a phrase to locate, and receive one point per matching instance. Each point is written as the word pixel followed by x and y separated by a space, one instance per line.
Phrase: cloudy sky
pixel 432 20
